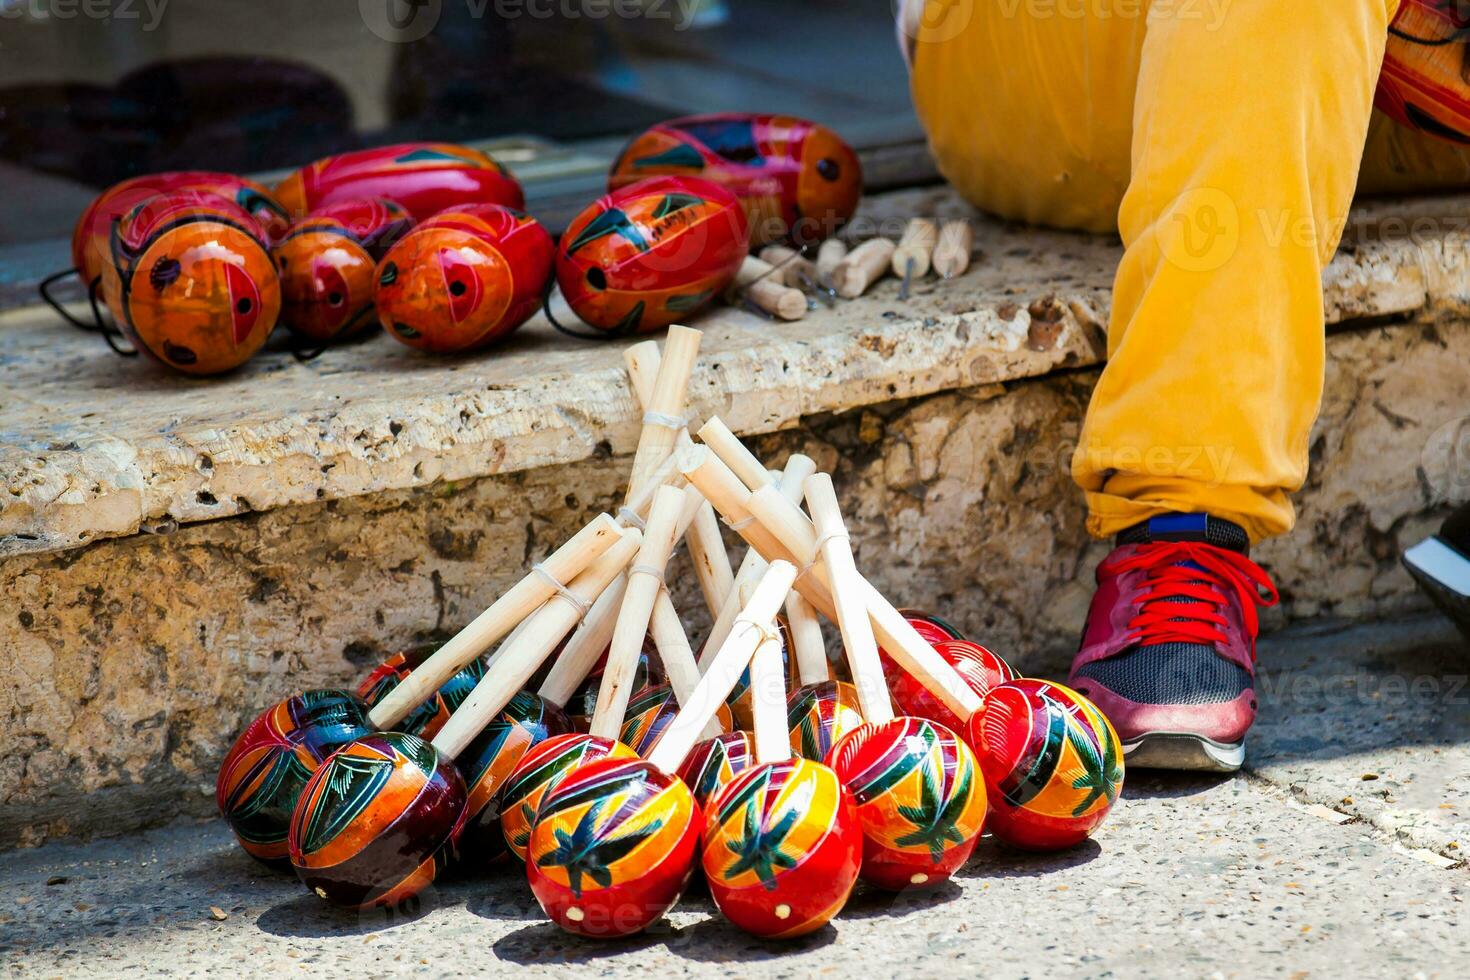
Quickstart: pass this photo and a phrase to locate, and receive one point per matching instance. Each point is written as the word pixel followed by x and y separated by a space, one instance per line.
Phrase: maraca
pixel 1053 763
pixel 190 281
pixel 614 841
pixel 782 841
pixel 980 668
pixel 921 822
pixel 90 251
pixel 464 279
pixel 797 181
pixel 650 254
pixel 263 774
pixel 425 178
pixel 376 818
pixel 327 263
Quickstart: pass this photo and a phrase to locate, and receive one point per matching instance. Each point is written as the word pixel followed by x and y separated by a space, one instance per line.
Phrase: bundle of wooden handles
pixel 608 584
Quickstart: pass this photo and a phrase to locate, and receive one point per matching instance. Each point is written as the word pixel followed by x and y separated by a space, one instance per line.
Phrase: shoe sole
pixel 1183 751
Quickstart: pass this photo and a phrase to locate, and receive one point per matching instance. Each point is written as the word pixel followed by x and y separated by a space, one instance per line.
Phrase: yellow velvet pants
pixel 1223 140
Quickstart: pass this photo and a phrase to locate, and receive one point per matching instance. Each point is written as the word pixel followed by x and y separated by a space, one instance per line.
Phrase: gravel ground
pixel 1338 851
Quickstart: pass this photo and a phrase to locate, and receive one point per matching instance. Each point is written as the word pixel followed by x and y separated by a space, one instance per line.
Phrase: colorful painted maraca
pixel 425 178
pixel 90 249
pixel 980 668
pixel 266 768
pixel 797 181
pixel 328 266
pixel 1053 763
pixel 614 842
pixel 782 841
pixel 376 820
pixel 651 254
pixel 464 279
pixel 922 820
pixel 191 282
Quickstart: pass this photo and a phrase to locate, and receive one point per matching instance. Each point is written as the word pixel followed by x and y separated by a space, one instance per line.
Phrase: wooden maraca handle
pixel 852 612
pixel 677 656
pixel 898 636
pixel 518 602
pixel 956 243
pixel 706 544
pixel 753 627
pixel 796 541
pixel 518 660
pixel 915 249
pixel 664 411
pixel 768 702
pixel 862 267
pixel 798 468
pixel 645 579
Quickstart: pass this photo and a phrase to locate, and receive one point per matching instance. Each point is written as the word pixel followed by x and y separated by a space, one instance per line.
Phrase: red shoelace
pixel 1188 585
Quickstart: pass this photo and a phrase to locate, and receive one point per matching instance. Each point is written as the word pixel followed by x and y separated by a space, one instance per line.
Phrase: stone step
pixel 307 520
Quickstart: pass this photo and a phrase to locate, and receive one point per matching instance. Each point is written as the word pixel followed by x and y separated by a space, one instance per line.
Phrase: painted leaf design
pixel 584 853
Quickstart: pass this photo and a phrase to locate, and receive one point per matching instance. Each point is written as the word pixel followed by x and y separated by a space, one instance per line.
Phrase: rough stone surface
pixel 135 661
pixel 1189 877
pixel 96 447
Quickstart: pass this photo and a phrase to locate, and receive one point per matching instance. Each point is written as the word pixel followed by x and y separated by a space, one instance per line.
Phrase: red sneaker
pixel 1169 650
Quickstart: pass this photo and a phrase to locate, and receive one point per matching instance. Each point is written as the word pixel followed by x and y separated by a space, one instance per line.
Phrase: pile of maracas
pixel 430 241
pixel 782 801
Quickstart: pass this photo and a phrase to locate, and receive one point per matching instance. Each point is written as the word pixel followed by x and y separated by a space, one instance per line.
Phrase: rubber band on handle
pixel 649 570
pixel 582 605
pixel 664 421
pixel 630 516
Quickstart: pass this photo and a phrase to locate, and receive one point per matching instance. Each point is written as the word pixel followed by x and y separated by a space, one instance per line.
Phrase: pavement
pixel 1340 850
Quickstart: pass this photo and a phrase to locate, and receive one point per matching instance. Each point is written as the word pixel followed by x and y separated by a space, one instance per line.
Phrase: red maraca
pixel 782 841
pixel 266 768
pixel 328 262
pixel 651 254
pixel 425 178
pixel 464 279
pixel 375 821
pixel 1053 763
pixel 614 841
pixel 980 668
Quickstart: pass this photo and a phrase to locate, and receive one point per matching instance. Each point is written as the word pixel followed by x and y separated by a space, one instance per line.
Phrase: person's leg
pixel 1248 132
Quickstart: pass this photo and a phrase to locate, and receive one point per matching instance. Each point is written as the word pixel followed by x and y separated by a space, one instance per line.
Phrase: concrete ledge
pixel 96 448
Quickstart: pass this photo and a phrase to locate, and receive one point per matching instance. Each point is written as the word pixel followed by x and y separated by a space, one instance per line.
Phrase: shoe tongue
pixel 1188 527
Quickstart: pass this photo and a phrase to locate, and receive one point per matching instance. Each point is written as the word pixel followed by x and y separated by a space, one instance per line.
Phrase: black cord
pixel 546 308
pixel 1458 35
pixel 45 290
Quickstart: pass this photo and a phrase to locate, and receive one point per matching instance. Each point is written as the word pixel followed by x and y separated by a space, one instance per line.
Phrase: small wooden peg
pixel 862 267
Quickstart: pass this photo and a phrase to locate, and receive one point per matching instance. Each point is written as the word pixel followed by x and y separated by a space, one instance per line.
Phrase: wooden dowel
pixel 829 256
pixel 732 452
pixel 645 579
pixel 515 663
pixel 915 252
pixel 790 265
pixel 518 602
pixel 665 404
pixel 753 628
pixel 852 612
pixel 862 267
pixel 768 702
pixel 759 283
pixel 956 243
